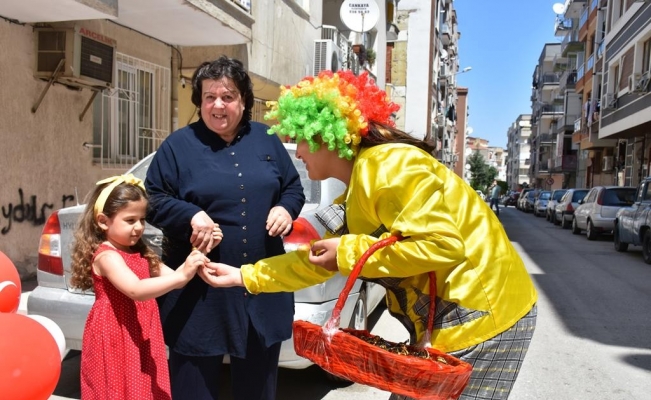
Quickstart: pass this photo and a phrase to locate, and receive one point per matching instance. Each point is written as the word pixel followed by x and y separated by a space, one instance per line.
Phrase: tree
pixel 481 175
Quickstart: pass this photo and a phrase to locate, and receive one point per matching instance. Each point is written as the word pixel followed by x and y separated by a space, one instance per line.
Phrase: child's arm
pixel 112 266
pixel 217 237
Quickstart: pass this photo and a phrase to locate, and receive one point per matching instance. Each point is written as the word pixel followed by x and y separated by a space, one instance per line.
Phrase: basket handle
pixel 333 322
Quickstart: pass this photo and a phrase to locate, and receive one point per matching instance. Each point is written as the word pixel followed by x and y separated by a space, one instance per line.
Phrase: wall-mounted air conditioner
pixel 327 56
pixel 443 72
pixel 609 101
pixel 88 57
pixel 607 163
pixel 639 83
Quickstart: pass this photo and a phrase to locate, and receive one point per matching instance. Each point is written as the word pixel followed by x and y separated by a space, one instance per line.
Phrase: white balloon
pixel 54 330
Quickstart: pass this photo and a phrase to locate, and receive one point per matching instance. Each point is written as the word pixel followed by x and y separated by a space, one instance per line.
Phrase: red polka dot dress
pixel 123 353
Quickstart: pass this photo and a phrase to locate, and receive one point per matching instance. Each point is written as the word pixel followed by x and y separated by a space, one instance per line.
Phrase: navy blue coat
pixel 236 184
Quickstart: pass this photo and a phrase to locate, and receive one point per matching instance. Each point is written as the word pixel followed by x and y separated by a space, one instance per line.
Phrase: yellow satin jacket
pixel 483 287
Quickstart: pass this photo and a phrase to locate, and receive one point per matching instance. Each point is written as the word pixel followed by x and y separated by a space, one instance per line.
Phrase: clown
pixel 485 300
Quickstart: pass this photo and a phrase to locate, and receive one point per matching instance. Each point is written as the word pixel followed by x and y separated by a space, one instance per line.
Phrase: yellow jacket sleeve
pixel 284 273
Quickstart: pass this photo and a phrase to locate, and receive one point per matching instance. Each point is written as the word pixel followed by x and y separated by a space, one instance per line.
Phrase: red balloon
pixel 30 363
pixel 10 287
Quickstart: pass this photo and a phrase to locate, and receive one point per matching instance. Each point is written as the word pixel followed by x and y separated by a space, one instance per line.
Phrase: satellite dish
pixel 559 8
pixel 359 16
pixel 469 130
pixel 444 54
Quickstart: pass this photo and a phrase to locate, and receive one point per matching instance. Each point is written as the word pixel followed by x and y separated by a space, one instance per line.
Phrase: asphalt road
pixel 592 341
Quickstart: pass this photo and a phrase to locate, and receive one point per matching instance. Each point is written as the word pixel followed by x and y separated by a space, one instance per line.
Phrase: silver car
pixel 540 204
pixel 68 307
pixel 596 212
pixel 564 209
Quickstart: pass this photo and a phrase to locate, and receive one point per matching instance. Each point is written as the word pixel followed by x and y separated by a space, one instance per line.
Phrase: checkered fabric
pixel 333 218
pixel 496 362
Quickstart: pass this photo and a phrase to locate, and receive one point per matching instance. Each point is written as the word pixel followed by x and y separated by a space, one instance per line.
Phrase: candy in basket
pixel 359 356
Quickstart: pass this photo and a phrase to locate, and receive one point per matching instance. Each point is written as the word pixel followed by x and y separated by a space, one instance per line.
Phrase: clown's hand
pixel 221 275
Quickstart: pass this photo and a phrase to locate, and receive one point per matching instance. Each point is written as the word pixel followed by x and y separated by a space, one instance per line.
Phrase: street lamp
pixel 463 70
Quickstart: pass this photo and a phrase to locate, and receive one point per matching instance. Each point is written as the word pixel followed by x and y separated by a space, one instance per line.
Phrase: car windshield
pixel 545 195
pixel 558 194
pixel 619 197
pixel 578 195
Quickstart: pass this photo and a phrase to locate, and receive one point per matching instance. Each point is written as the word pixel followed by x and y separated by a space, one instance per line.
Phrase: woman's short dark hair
pixel 225 67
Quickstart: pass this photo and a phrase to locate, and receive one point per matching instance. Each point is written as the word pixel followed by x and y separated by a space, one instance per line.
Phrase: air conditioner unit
pixel 607 163
pixel 609 101
pixel 89 57
pixel 641 84
pixel 327 56
pixel 443 72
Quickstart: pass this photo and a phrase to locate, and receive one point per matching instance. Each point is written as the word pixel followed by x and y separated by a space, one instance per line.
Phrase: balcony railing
pixel 580 72
pixel 566 162
pixel 571 42
pixel 590 63
pixel 584 17
pixel 549 78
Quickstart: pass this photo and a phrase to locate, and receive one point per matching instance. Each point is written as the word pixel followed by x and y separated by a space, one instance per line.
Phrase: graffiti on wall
pixel 28 211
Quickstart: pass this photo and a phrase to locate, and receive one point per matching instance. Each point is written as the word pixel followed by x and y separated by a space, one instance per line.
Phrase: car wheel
pixel 564 223
pixel 575 228
pixel 590 232
pixel 646 247
pixel 358 321
pixel 546 216
pixel 555 220
pixel 619 245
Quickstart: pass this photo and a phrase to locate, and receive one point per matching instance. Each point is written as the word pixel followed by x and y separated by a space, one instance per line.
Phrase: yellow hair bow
pixel 115 181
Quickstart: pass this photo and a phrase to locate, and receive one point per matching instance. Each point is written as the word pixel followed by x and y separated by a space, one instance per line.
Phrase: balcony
pixel 545 138
pixel 562 25
pixel 565 163
pixel 574 7
pixel 571 43
pixel 196 22
pixel 446 34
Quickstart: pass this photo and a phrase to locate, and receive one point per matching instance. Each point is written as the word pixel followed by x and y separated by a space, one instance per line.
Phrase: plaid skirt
pixel 495 362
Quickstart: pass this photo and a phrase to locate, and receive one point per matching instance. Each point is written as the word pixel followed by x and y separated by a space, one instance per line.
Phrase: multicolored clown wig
pixel 335 107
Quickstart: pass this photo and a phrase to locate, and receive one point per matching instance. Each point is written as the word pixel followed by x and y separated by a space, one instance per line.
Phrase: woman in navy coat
pixel 223 169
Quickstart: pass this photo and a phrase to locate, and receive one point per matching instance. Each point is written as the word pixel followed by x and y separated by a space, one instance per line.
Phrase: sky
pixel 502 42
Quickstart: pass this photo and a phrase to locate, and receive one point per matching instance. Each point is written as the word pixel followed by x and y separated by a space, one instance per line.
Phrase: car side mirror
pixel 580 201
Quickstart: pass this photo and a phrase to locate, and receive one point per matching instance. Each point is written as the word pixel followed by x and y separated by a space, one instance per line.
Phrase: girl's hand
pixel 279 222
pixel 195 260
pixel 324 253
pixel 221 275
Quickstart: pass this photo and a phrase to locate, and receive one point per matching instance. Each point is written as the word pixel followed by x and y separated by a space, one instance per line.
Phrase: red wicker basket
pixel 344 353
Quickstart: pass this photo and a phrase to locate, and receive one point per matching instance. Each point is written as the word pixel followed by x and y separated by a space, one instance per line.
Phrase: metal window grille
pixel 131 120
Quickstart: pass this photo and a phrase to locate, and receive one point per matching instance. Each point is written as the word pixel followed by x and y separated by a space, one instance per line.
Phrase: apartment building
pixel 425 59
pixel 518 157
pixel 89 91
pixel 625 112
pixel 554 110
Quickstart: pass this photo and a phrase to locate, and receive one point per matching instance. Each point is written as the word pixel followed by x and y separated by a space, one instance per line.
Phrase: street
pixel 592 339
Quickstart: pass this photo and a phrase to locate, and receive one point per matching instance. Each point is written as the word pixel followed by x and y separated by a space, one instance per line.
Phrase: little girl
pixel 123 352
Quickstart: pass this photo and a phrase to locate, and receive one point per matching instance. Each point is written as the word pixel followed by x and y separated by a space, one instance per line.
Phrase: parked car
pixel 556 195
pixel 528 199
pixel 632 224
pixel 564 211
pixel 596 212
pixel 511 199
pixel 540 204
pixel 520 204
pixel 55 299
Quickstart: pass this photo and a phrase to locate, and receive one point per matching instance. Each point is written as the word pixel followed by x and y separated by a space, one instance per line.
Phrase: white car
pixel 596 212
pixel 68 307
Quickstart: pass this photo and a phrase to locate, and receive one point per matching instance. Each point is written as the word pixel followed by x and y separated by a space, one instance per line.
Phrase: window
pixel 646 56
pixel 131 120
